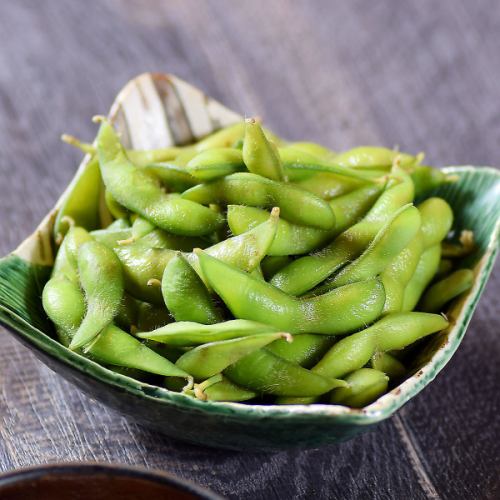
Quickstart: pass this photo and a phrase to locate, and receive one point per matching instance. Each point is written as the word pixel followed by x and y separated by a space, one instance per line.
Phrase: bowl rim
pixel 63 469
pixel 379 410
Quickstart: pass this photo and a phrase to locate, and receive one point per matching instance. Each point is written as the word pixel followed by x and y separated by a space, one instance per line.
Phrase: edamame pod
pixel 140 265
pixel 64 304
pixel 174 177
pixel 214 163
pixel 388 364
pixel 66 259
pixel 327 185
pixel 426 179
pixel 270 265
pixel 305 350
pixel 296 205
pixel 101 279
pixel 365 386
pixel 463 248
pixel 266 373
pixel 188 333
pixel 115 209
pixel 140 157
pixel 141 227
pixel 437 219
pixel 299 165
pixel 424 272
pixel 314 149
pixel 248 298
pixel 373 157
pixel 116 347
pixel 82 200
pixel 292 239
pixel 399 272
pixel 223 138
pixel 388 243
pixel 185 295
pixel 139 192
pixel 393 332
pixel 244 251
pixel 210 359
pixel 220 388
pixel 151 316
pixel 445 267
pixel 259 155
pixel 439 294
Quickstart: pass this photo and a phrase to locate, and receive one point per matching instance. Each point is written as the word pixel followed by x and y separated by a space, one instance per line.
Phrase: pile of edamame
pixel 247 268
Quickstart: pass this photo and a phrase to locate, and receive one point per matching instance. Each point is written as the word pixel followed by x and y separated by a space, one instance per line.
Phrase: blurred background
pixel 421 75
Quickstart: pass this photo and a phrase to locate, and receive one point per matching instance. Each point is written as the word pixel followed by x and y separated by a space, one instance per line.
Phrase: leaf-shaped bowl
pixel 158 110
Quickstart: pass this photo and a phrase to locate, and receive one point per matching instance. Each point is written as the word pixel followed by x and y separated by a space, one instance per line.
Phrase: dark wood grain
pixel 423 75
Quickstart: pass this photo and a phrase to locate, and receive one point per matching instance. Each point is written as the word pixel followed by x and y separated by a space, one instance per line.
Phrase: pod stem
pixel 77 143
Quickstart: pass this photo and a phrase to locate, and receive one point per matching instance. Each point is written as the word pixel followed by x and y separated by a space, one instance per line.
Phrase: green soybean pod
pixel 426 269
pixel 139 157
pixel 151 316
pixel 445 268
pixel 399 272
pixel 388 243
pixel 185 295
pixel 437 219
pixel 314 149
pixel 82 199
pixel 244 251
pixel 266 373
pixel 373 157
pixel 270 265
pixel 142 265
pixel 296 205
pixel 220 388
pixel 139 192
pixel 388 364
pixel 392 332
pixel 426 179
pixel 305 350
pixel 174 177
pixel 188 333
pixel 141 227
pixel 223 138
pixel 365 386
pixel 116 210
pixel 292 239
pixel 207 360
pixel 252 299
pixel 259 155
pixel 214 163
pixel 101 279
pixel 445 290
pixel 299 165
pixel 116 347
pixel 66 258
pixel 327 185
pixel 64 304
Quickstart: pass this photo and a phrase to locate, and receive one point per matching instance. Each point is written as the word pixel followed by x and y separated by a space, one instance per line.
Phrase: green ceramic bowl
pixel 157 110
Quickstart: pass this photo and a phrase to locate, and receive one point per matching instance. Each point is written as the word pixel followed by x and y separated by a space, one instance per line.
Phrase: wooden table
pixel 423 75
